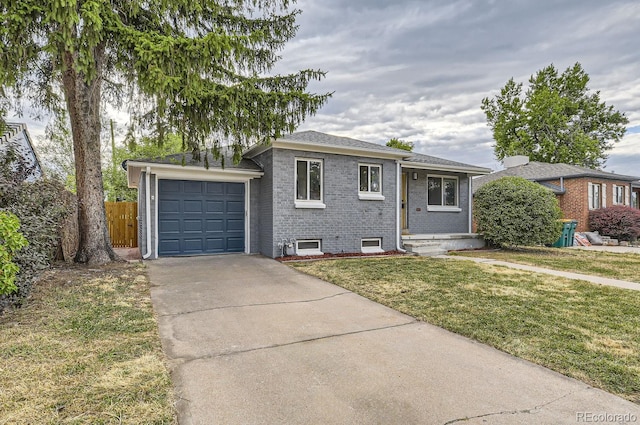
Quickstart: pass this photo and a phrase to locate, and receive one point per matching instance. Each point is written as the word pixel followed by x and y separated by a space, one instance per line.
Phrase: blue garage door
pixel 197 217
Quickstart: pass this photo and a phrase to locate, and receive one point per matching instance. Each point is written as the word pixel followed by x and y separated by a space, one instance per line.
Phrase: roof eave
pixel 473 171
pixel 134 168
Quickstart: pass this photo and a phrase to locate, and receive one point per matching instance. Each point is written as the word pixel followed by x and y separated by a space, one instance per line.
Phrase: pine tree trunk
pixel 83 104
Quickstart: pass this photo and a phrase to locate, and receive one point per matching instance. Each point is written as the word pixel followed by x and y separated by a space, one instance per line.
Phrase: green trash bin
pixel 568 231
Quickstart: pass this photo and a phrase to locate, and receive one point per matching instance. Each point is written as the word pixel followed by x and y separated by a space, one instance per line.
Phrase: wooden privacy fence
pixel 122 219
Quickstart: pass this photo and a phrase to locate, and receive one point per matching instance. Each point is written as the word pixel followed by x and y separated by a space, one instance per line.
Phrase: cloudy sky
pixel 418 70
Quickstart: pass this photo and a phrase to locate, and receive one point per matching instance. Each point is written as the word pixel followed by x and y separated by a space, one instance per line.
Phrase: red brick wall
pixel 575 202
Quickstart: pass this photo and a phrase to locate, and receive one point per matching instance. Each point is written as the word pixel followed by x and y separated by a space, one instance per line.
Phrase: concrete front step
pixel 438 244
pixel 425 249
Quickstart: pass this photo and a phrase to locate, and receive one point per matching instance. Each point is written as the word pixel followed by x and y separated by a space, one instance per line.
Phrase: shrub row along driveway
pixel 252 341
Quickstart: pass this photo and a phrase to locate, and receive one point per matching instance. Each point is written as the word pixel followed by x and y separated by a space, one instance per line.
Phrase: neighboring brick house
pixel 15 137
pixel 307 193
pixel 579 189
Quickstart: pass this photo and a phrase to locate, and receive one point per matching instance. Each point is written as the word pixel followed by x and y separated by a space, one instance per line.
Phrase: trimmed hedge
pixel 622 223
pixel 513 211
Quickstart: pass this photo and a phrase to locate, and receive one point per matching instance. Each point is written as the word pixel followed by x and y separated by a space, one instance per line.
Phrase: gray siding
pixel 345 220
pixel 422 221
pixel 254 209
pixel 142 215
pixel 265 205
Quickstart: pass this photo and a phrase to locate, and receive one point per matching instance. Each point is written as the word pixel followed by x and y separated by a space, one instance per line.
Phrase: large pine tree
pixel 196 67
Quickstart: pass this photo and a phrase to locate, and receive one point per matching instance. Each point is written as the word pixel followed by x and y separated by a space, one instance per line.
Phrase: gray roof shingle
pixel 542 171
pixel 315 137
pixel 187 160
pixel 318 138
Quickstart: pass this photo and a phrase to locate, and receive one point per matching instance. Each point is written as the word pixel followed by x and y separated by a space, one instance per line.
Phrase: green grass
pixel 585 331
pixel 606 264
pixel 85 349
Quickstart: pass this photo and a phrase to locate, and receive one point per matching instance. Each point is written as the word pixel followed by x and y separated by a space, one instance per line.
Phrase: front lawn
pixel 606 264
pixel 85 349
pixel 586 331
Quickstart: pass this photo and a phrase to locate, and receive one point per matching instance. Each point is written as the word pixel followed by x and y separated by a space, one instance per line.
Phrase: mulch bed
pixel 338 255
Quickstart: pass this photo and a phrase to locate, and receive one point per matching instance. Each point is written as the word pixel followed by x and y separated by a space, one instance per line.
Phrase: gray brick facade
pixel 346 219
pixel 420 220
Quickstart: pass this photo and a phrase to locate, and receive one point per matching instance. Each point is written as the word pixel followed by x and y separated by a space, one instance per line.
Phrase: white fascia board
pixel 256 150
pixel 189 172
pixel 472 171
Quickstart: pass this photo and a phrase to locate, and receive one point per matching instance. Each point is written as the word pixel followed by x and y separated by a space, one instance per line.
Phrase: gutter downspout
pixel 470 179
pixel 398 206
pixel 148 212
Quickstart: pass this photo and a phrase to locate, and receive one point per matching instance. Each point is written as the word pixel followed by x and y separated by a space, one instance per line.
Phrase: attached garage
pixel 199 217
pixel 194 210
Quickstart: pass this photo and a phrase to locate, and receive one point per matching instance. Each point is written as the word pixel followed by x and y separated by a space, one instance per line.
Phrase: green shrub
pixel 619 222
pixel 11 241
pixel 40 206
pixel 513 211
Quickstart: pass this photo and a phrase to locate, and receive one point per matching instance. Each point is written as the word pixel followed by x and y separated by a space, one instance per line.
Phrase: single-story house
pixel 307 193
pixel 16 138
pixel 578 189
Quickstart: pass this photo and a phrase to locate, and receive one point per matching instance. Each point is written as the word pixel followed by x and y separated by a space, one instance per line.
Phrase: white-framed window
pixel 371 245
pixel 309 247
pixel 370 182
pixel 309 191
pixel 595 196
pixel 618 195
pixel 442 193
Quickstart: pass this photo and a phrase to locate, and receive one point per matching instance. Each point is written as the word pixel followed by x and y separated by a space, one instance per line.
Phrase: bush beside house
pixel 513 211
pixel 619 222
pixel 41 207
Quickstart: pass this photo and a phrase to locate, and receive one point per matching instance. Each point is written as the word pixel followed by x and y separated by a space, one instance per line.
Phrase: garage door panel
pixel 192 206
pixel 200 217
pixel 215 245
pixel 192 187
pixel 216 188
pixel 171 186
pixel 215 225
pixel 235 225
pixel 235 207
pixel 169 226
pixel 235 189
pixel 192 226
pixel 215 207
pixel 169 246
pixel 193 245
pixel 235 244
pixel 170 206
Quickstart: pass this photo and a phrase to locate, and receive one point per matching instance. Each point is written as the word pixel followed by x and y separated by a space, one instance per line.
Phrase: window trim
pixel 309 251
pixel 371 250
pixel 308 203
pixel 368 195
pixel 591 198
pixel 617 187
pixel 444 208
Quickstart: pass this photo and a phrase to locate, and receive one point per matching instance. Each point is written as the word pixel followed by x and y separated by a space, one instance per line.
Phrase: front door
pixel 405 206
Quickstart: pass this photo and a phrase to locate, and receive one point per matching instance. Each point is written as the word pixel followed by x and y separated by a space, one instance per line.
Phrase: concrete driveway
pixel 251 341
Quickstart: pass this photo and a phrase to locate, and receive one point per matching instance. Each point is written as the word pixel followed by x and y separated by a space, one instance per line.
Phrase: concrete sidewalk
pixel 252 341
pixel 569 275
